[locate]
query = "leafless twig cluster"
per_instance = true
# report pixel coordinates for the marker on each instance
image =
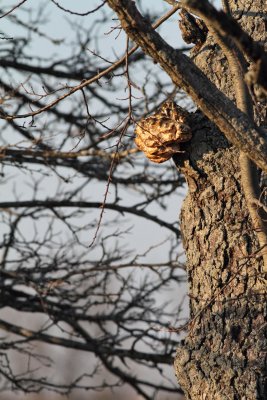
(72, 177)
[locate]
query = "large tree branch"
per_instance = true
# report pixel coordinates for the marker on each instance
(226, 25)
(106, 353)
(50, 204)
(236, 126)
(88, 346)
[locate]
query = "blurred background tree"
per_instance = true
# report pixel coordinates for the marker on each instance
(90, 255)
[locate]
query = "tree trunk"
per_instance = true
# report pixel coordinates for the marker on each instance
(224, 355)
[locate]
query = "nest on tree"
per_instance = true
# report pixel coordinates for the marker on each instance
(159, 135)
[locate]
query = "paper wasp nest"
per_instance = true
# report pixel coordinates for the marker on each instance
(159, 135)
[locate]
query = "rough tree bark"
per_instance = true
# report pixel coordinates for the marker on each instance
(224, 355)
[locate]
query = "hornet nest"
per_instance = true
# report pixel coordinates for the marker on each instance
(159, 135)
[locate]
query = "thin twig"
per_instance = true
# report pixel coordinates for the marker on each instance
(89, 81)
(13, 8)
(77, 13)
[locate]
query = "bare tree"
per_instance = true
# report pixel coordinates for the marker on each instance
(223, 218)
(81, 134)
(74, 184)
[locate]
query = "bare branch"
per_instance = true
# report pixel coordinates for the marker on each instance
(236, 126)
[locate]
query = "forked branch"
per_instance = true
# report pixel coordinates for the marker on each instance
(237, 126)
(248, 170)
